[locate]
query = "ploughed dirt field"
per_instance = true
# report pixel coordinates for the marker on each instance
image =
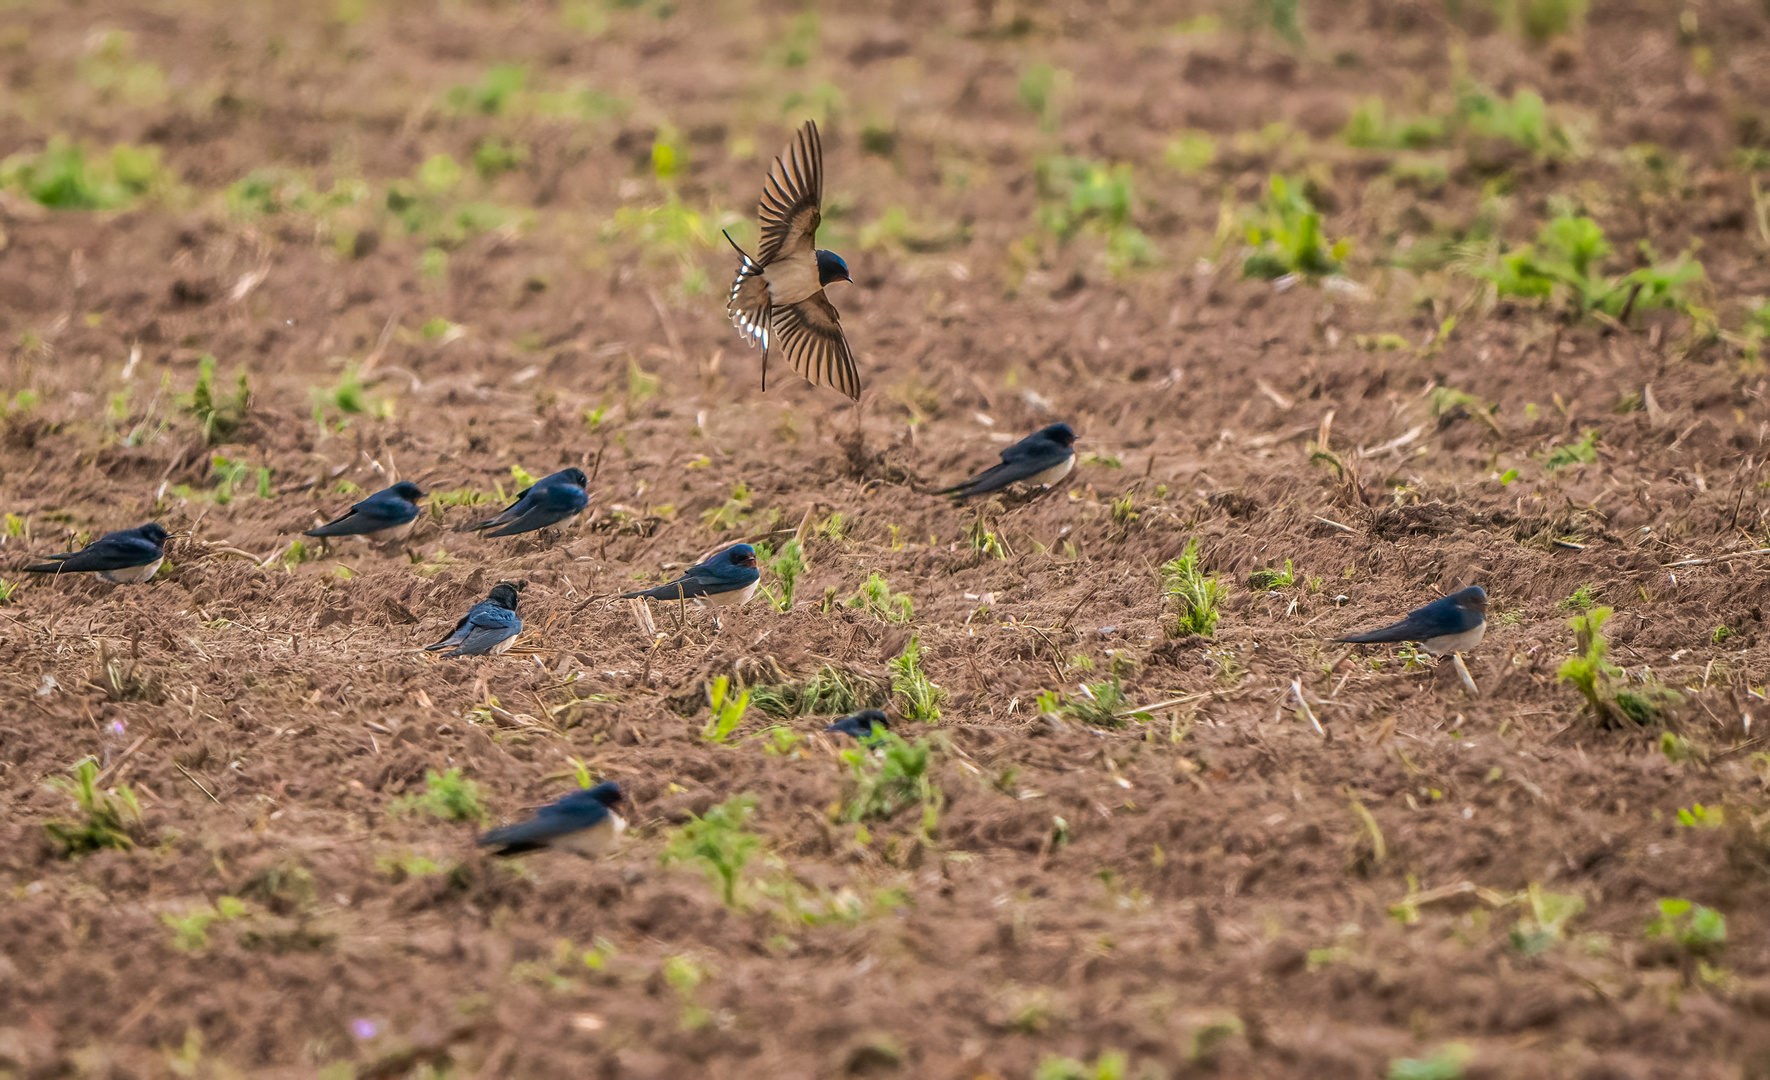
(1372, 300)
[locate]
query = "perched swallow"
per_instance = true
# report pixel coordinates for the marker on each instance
(1040, 459)
(583, 822)
(383, 517)
(489, 626)
(127, 557)
(865, 725)
(552, 500)
(778, 298)
(1453, 624)
(728, 579)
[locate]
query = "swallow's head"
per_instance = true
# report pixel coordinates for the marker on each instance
(576, 476)
(153, 533)
(608, 793)
(1473, 598)
(740, 555)
(407, 490)
(830, 267)
(504, 593)
(1061, 434)
(871, 719)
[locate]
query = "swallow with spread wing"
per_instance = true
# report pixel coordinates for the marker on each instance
(126, 557)
(1040, 460)
(778, 299)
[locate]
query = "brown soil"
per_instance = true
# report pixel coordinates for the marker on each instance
(1214, 900)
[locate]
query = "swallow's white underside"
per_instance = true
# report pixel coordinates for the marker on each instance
(1450, 643)
(503, 647)
(599, 839)
(391, 534)
(133, 575)
(731, 598)
(1054, 473)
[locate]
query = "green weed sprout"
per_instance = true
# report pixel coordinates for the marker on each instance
(1584, 598)
(1286, 236)
(1565, 262)
(1198, 595)
(7, 588)
(109, 820)
(1447, 1064)
(784, 567)
(1582, 451)
(891, 776)
(1267, 579)
(726, 712)
(919, 699)
(685, 976)
(190, 931)
(1110, 1065)
(62, 178)
(1699, 931)
(1594, 677)
(830, 691)
(876, 598)
(719, 842)
(1547, 923)
(731, 513)
(1370, 128)
(220, 417)
(1101, 704)
(228, 475)
(446, 795)
(984, 541)
(1077, 194)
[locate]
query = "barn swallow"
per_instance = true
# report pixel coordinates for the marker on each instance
(583, 822)
(489, 626)
(384, 517)
(1040, 459)
(778, 298)
(127, 557)
(728, 579)
(1453, 624)
(553, 499)
(865, 726)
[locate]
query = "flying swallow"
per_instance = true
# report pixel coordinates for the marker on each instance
(489, 626)
(1040, 459)
(728, 579)
(384, 517)
(583, 822)
(865, 725)
(127, 557)
(553, 499)
(1455, 623)
(778, 298)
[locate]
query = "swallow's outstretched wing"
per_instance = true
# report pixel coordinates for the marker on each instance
(792, 198)
(810, 334)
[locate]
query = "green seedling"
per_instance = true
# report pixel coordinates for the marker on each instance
(830, 691)
(109, 819)
(1101, 704)
(1197, 595)
(1721, 634)
(731, 513)
(833, 528)
(1547, 923)
(1564, 266)
(685, 976)
(670, 233)
(891, 776)
(984, 541)
(496, 94)
(1191, 152)
(784, 568)
(190, 931)
(876, 598)
(1699, 816)
(726, 711)
(220, 417)
(1286, 236)
(1699, 931)
(1584, 598)
(781, 741)
(63, 178)
(1044, 90)
(918, 698)
(447, 795)
(1267, 579)
(719, 842)
(7, 588)
(1596, 679)
(1110, 1065)
(1370, 128)
(228, 475)
(1078, 195)
(1583, 451)
(1447, 1064)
